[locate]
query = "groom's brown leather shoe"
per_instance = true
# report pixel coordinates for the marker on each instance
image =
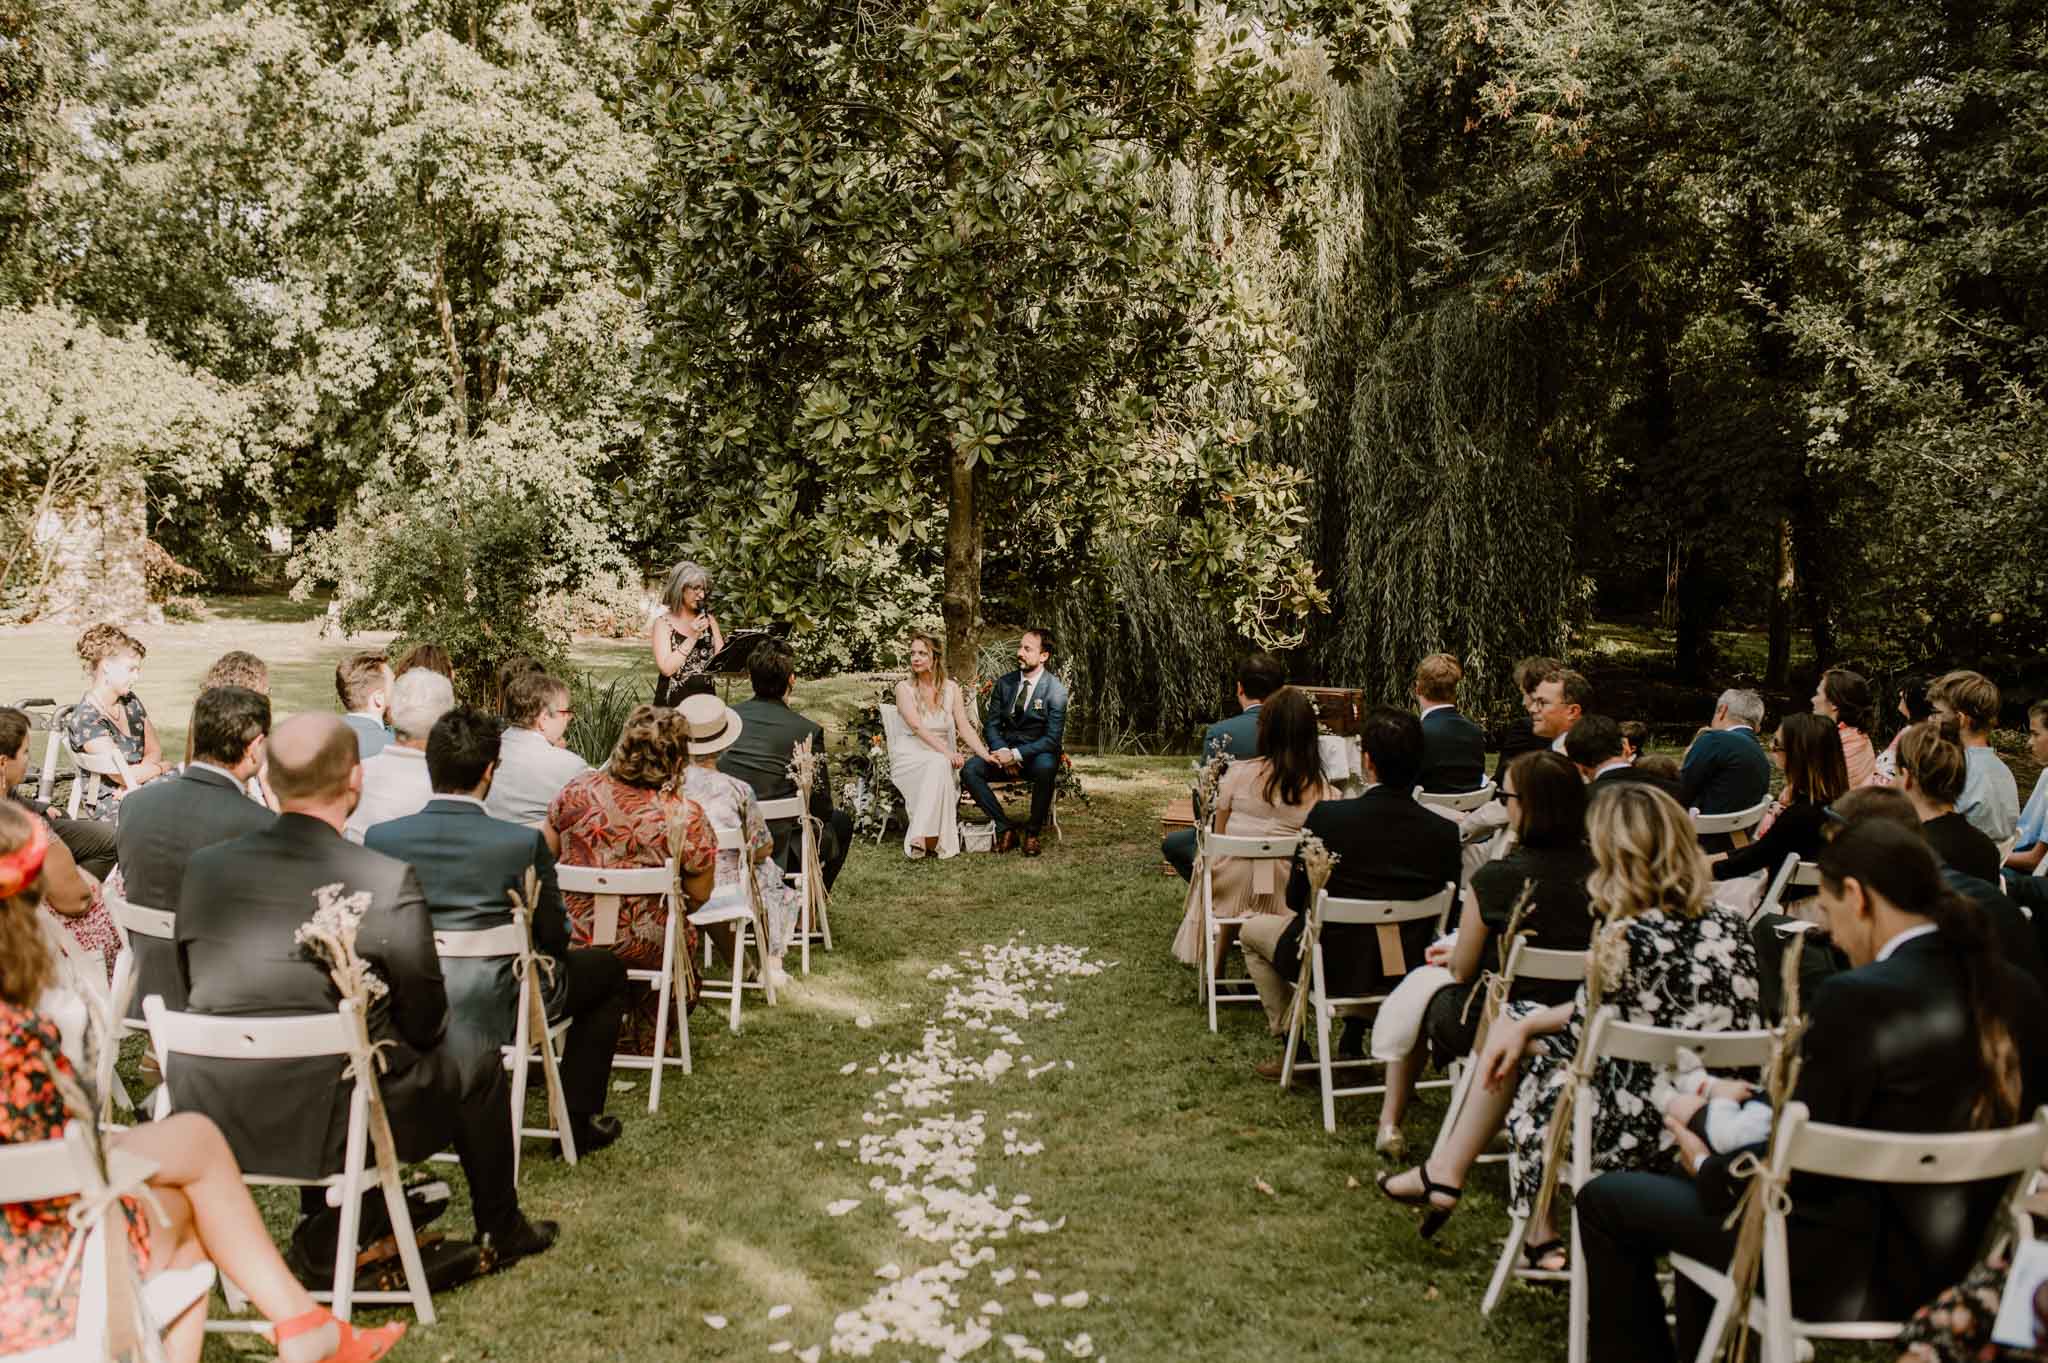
(1006, 840)
(1031, 848)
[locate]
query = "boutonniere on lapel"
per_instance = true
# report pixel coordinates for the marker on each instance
(1038, 703)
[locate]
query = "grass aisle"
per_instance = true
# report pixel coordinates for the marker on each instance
(1152, 1145)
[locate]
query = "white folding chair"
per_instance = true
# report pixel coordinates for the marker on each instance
(339, 1034)
(1524, 963)
(39, 1171)
(1802, 874)
(1805, 1146)
(1615, 1040)
(1736, 825)
(895, 733)
(1376, 913)
(1460, 801)
(130, 920)
(740, 906)
(93, 770)
(530, 1029)
(53, 748)
(1208, 846)
(613, 884)
(798, 880)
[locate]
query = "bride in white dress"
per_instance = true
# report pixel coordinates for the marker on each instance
(926, 764)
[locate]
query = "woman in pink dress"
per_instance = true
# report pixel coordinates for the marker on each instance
(1844, 697)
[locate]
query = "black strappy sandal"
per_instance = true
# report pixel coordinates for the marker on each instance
(1534, 1255)
(1434, 1220)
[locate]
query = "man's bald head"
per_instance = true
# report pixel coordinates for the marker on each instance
(311, 756)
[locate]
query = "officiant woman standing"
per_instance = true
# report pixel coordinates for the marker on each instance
(685, 637)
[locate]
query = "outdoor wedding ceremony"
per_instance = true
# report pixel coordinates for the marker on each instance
(1302, 679)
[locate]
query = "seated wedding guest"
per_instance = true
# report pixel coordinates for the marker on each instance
(762, 754)
(1258, 676)
(533, 764)
(364, 681)
(163, 824)
(1956, 1327)
(1387, 847)
(1912, 707)
(1932, 771)
(109, 720)
(924, 766)
(1844, 697)
(628, 813)
(88, 843)
(468, 863)
(1027, 718)
(1685, 963)
(241, 905)
(728, 802)
(518, 665)
(1453, 747)
(206, 1212)
(2030, 845)
(1991, 797)
(685, 637)
(1635, 739)
(1727, 770)
(1556, 701)
(238, 667)
(1929, 1032)
(1658, 764)
(432, 657)
(1551, 861)
(1594, 745)
(1520, 736)
(1266, 796)
(395, 781)
(70, 896)
(1810, 747)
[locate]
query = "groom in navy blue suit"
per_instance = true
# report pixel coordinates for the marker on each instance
(1027, 717)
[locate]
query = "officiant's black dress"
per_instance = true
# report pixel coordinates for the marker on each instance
(691, 679)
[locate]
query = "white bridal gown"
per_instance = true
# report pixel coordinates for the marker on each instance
(928, 781)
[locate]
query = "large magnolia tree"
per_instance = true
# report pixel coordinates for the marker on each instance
(914, 280)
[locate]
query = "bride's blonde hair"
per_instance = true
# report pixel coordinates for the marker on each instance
(938, 651)
(1646, 855)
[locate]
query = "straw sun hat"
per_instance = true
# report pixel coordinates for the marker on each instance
(713, 725)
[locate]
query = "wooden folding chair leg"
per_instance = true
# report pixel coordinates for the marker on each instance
(408, 1246)
(680, 997)
(558, 1101)
(739, 970)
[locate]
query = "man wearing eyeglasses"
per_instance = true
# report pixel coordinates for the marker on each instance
(533, 763)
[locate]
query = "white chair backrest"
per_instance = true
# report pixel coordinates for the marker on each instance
(507, 939)
(621, 880)
(730, 839)
(789, 807)
(249, 1038)
(1806, 873)
(894, 730)
(1251, 849)
(1459, 801)
(1613, 1039)
(100, 763)
(1740, 821)
(36, 1171)
(131, 917)
(1382, 911)
(1908, 1157)
(1545, 963)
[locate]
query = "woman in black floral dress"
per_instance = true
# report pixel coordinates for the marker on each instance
(1669, 957)
(110, 721)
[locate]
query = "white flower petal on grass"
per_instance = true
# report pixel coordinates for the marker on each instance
(1080, 1346)
(842, 1206)
(889, 1271)
(715, 1322)
(809, 1355)
(778, 1312)
(991, 1308)
(849, 1067)
(1074, 1300)
(1042, 1299)
(1002, 1277)
(780, 1346)
(863, 1021)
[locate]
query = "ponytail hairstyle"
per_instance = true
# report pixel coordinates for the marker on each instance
(1930, 753)
(1849, 693)
(1814, 765)
(1896, 864)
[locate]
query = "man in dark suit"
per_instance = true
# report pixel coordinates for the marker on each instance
(1594, 746)
(760, 756)
(1258, 676)
(1726, 769)
(468, 863)
(1387, 847)
(1520, 735)
(1892, 1045)
(242, 903)
(165, 822)
(1027, 718)
(1453, 747)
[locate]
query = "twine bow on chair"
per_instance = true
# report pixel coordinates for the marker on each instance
(1609, 940)
(803, 770)
(1492, 993)
(1767, 1192)
(1317, 861)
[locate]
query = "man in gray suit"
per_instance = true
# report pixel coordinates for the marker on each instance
(468, 863)
(1258, 677)
(165, 822)
(760, 757)
(243, 902)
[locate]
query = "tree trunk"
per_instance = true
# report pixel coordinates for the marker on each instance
(1784, 587)
(963, 567)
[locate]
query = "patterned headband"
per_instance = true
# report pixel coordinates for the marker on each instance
(19, 868)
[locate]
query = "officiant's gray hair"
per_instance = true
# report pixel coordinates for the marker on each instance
(681, 578)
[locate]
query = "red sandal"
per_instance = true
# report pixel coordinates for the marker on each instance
(355, 1346)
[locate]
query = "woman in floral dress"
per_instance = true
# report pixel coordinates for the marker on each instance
(729, 802)
(1668, 957)
(630, 814)
(109, 720)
